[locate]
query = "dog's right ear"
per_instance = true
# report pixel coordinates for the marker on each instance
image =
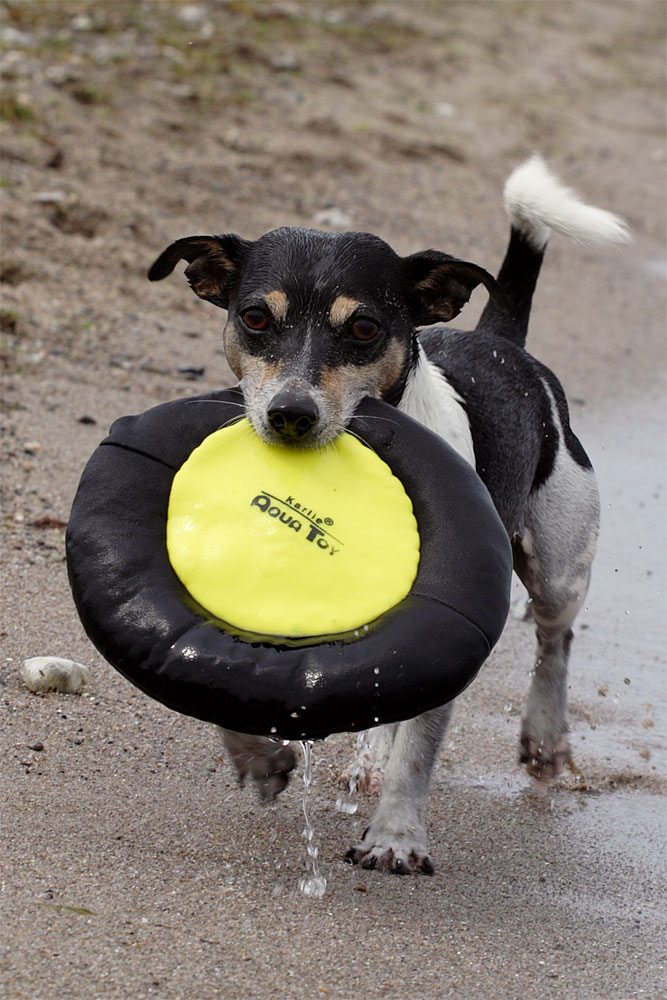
(213, 264)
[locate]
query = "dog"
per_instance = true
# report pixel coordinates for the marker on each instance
(317, 321)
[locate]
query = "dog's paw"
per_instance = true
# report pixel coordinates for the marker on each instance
(271, 772)
(366, 772)
(398, 852)
(543, 755)
(267, 761)
(367, 780)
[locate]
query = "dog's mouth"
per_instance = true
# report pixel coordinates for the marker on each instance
(297, 434)
(296, 418)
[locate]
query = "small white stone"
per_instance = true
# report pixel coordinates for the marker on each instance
(334, 217)
(82, 22)
(48, 197)
(192, 15)
(13, 36)
(53, 673)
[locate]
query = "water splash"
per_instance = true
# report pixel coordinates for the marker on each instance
(313, 885)
(346, 801)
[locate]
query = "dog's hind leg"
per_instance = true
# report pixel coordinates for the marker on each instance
(552, 555)
(396, 839)
(267, 761)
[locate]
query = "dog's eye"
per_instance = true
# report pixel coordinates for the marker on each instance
(364, 328)
(255, 319)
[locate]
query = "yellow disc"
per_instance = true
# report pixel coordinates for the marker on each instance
(291, 543)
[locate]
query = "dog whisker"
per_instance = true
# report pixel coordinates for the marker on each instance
(218, 402)
(359, 438)
(375, 416)
(230, 422)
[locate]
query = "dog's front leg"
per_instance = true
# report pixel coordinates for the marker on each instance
(396, 839)
(267, 761)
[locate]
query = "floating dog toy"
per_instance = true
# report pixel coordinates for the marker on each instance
(292, 592)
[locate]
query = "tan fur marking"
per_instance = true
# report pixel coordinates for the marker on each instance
(242, 363)
(218, 256)
(206, 287)
(278, 304)
(232, 349)
(427, 283)
(206, 272)
(342, 308)
(440, 307)
(259, 371)
(374, 379)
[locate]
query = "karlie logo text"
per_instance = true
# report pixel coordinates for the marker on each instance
(299, 518)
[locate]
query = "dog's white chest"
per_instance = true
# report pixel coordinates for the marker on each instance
(430, 399)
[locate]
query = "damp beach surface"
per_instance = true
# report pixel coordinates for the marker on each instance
(132, 866)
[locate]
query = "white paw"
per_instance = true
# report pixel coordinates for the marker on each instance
(401, 851)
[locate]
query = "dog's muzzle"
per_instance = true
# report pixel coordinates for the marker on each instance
(292, 414)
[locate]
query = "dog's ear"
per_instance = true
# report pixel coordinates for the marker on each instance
(213, 264)
(439, 285)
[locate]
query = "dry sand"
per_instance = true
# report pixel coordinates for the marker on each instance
(132, 867)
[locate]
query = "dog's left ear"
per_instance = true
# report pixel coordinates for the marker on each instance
(439, 285)
(213, 263)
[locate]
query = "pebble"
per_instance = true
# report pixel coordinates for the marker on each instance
(334, 217)
(192, 371)
(286, 62)
(192, 15)
(184, 91)
(48, 197)
(82, 22)
(13, 36)
(53, 673)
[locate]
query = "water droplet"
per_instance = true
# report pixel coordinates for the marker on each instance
(313, 885)
(345, 805)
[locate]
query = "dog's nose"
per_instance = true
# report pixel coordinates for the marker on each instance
(292, 414)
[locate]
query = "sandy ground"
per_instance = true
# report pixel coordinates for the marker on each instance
(132, 867)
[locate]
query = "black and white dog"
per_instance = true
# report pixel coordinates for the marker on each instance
(315, 322)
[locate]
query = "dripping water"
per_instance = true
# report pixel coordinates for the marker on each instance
(346, 802)
(314, 884)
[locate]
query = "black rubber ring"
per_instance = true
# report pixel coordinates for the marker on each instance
(416, 656)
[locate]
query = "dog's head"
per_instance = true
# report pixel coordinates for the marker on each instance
(316, 321)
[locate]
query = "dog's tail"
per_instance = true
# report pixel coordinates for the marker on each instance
(537, 203)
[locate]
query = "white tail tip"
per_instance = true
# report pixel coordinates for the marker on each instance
(537, 203)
